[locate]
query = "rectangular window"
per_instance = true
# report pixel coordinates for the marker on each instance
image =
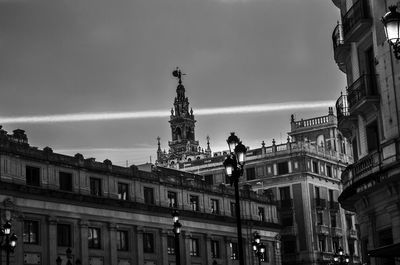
(283, 168)
(250, 173)
(209, 179)
(335, 244)
(194, 202)
(94, 238)
(215, 206)
(328, 171)
(333, 220)
(349, 221)
(122, 240)
(350, 243)
(321, 243)
(261, 213)
(32, 176)
(215, 249)
(315, 167)
(194, 247)
(65, 181)
(123, 191)
(234, 250)
(148, 195)
(64, 235)
(331, 199)
(372, 136)
(171, 245)
(320, 218)
(285, 193)
(172, 198)
(233, 209)
(31, 232)
(148, 243)
(317, 193)
(95, 187)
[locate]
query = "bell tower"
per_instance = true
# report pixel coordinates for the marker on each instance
(182, 123)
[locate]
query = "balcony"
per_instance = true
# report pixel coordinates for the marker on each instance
(357, 21)
(352, 233)
(333, 206)
(320, 203)
(340, 49)
(362, 95)
(285, 204)
(322, 230)
(345, 120)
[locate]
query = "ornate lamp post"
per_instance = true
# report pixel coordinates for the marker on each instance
(177, 231)
(391, 22)
(340, 258)
(258, 247)
(9, 241)
(234, 163)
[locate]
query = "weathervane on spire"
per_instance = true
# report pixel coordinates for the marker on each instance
(178, 74)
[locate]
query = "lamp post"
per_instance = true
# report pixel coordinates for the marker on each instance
(391, 22)
(340, 258)
(234, 163)
(177, 231)
(258, 247)
(9, 241)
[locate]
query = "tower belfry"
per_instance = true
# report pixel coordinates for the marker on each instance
(182, 123)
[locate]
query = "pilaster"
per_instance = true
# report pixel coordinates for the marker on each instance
(140, 256)
(83, 226)
(112, 230)
(163, 247)
(52, 238)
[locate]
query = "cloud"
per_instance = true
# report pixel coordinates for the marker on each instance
(77, 117)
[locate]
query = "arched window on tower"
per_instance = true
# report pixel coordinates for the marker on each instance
(178, 134)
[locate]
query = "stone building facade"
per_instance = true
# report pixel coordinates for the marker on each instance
(111, 215)
(369, 116)
(303, 176)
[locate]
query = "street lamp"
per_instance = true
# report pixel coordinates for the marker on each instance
(177, 231)
(391, 22)
(258, 247)
(234, 163)
(340, 258)
(9, 241)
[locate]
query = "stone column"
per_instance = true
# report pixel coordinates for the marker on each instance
(83, 226)
(112, 230)
(140, 256)
(164, 246)
(52, 239)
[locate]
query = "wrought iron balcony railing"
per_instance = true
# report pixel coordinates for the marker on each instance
(361, 89)
(358, 12)
(342, 107)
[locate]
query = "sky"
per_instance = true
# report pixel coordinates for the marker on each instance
(102, 57)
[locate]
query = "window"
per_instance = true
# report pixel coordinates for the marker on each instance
(65, 181)
(233, 209)
(333, 220)
(317, 193)
(331, 196)
(315, 167)
(328, 171)
(148, 243)
(261, 213)
(283, 168)
(285, 193)
(350, 243)
(349, 221)
(123, 191)
(31, 232)
(209, 179)
(32, 176)
(194, 202)
(372, 136)
(172, 198)
(250, 173)
(122, 240)
(64, 235)
(320, 218)
(215, 249)
(95, 187)
(171, 245)
(234, 250)
(94, 238)
(335, 244)
(215, 206)
(148, 195)
(321, 243)
(289, 245)
(265, 256)
(194, 247)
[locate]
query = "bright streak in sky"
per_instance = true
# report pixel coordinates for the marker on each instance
(161, 113)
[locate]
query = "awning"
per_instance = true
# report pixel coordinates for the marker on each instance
(388, 251)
